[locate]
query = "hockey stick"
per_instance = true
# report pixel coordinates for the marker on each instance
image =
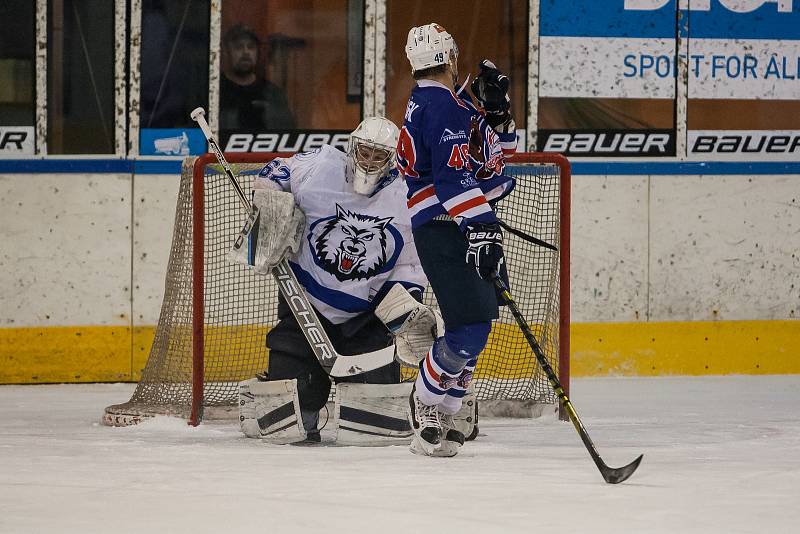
(526, 237)
(612, 475)
(334, 363)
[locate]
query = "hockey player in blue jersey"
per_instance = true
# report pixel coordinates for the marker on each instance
(452, 157)
(359, 267)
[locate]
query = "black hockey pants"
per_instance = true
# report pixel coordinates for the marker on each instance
(464, 297)
(291, 356)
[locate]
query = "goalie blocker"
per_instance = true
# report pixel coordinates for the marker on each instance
(364, 414)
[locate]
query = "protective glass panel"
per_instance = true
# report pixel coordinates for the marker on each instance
(80, 88)
(289, 67)
(174, 62)
(494, 30)
(17, 66)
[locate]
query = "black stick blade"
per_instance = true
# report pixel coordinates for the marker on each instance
(616, 475)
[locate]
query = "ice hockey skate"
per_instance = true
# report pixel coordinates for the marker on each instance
(426, 425)
(452, 439)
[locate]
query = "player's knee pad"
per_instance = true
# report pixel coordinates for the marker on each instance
(372, 414)
(271, 411)
(460, 345)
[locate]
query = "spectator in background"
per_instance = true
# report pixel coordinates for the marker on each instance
(247, 100)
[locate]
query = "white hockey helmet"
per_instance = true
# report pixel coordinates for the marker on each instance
(371, 154)
(430, 46)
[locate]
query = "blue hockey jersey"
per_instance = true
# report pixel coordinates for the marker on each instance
(451, 158)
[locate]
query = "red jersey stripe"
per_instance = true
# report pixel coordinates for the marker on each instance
(464, 206)
(420, 195)
(433, 374)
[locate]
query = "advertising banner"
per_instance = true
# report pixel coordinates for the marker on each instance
(171, 142)
(606, 50)
(296, 140)
(282, 141)
(17, 141)
(745, 145)
(609, 143)
(610, 66)
(744, 91)
(607, 79)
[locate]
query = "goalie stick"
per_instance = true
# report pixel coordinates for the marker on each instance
(332, 362)
(612, 475)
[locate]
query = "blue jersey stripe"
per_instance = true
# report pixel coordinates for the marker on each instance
(331, 297)
(429, 386)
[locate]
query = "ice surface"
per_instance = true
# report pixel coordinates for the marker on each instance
(721, 454)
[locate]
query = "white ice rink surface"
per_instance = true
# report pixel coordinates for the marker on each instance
(721, 454)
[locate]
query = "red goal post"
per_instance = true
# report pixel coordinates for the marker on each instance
(215, 314)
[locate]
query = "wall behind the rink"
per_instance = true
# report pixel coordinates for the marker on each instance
(685, 274)
(82, 265)
(671, 273)
(65, 276)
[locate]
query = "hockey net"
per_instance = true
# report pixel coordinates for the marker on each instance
(215, 314)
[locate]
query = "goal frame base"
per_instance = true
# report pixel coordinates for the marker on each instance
(130, 413)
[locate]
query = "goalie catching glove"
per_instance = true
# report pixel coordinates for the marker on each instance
(490, 87)
(271, 233)
(415, 326)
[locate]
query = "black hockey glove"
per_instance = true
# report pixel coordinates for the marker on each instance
(490, 87)
(484, 248)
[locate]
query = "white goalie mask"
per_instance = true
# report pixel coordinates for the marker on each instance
(370, 154)
(430, 46)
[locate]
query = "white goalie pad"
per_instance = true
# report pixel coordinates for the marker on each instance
(372, 414)
(466, 419)
(271, 233)
(271, 411)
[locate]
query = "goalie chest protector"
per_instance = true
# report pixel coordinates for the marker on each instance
(352, 244)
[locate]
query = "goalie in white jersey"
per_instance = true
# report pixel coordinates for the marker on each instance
(358, 265)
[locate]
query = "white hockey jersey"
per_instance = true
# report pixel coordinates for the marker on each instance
(355, 247)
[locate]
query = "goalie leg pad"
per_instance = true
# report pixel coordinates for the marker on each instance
(271, 411)
(372, 414)
(466, 418)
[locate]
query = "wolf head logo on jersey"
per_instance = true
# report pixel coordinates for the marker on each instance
(352, 246)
